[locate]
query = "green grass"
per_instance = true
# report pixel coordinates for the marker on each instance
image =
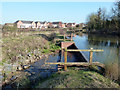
(53, 48)
(1, 63)
(46, 51)
(77, 79)
(13, 47)
(26, 46)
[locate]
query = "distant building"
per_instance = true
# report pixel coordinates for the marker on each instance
(71, 25)
(25, 24)
(43, 25)
(38, 25)
(33, 25)
(82, 25)
(57, 24)
(63, 25)
(50, 25)
(74, 25)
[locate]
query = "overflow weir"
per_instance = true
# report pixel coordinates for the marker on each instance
(81, 60)
(79, 57)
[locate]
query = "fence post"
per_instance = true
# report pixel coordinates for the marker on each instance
(91, 56)
(65, 59)
(71, 36)
(64, 37)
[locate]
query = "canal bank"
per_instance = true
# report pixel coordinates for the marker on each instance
(36, 70)
(19, 52)
(39, 71)
(78, 79)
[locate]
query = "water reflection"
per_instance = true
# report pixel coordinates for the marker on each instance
(109, 44)
(103, 41)
(111, 54)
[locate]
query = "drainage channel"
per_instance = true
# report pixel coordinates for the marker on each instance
(41, 70)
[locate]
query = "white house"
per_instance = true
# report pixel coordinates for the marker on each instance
(25, 24)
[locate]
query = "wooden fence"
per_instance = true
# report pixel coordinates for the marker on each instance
(65, 63)
(64, 39)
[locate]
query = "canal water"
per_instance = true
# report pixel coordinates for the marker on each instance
(109, 44)
(39, 70)
(110, 56)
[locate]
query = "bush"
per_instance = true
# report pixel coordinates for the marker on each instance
(9, 28)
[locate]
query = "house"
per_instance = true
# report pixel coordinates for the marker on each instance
(63, 25)
(38, 24)
(57, 24)
(74, 25)
(25, 24)
(50, 25)
(43, 25)
(71, 25)
(33, 25)
(82, 25)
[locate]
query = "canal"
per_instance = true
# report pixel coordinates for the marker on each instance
(39, 70)
(109, 57)
(110, 45)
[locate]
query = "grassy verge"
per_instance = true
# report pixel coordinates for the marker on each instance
(77, 79)
(25, 48)
(15, 48)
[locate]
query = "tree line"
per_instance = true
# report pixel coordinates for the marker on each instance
(103, 23)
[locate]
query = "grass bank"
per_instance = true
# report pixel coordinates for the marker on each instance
(77, 79)
(24, 48)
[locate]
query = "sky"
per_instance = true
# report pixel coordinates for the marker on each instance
(50, 11)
